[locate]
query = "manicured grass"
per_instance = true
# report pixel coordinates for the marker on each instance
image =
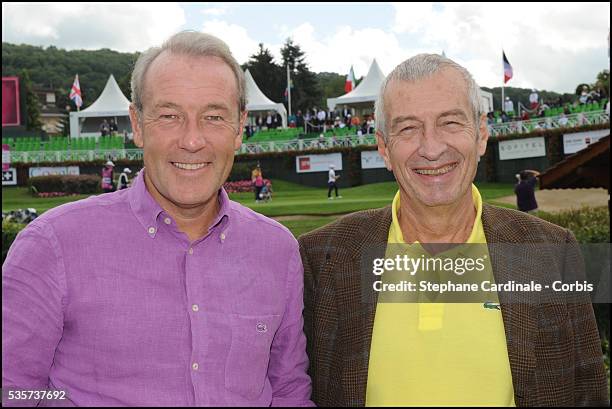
(288, 199)
(20, 198)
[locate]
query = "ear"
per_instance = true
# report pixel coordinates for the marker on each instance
(136, 128)
(484, 135)
(382, 150)
(239, 131)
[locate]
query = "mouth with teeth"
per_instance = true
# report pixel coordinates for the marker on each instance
(436, 171)
(190, 166)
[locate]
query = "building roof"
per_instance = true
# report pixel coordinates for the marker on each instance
(366, 91)
(257, 101)
(111, 102)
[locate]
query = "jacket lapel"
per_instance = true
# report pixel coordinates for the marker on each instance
(356, 302)
(519, 321)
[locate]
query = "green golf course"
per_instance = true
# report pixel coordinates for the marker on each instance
(299, 208)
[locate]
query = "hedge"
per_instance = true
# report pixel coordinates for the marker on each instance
(81, 184)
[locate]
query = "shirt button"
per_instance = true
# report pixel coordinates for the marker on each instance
(195, 366)
(167, 220)
(222, 236)
(151, 230)
(195, 308)
(190, 250)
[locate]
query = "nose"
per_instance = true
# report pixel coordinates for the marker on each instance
(431, 146)
(192, 138)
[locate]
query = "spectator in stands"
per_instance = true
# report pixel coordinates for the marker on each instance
(277, 121)
(509, 106)
(269, 120)
(525, 191)
(346, 113)
(563, 121)
(505, 117)
(124, 180)
(113, 127)
(533, 99)
(308, 119)
(259, 122)
(371, 125)
(584, 95)
(321, 120)
(104, 128)
(299, 120)
(356, 121)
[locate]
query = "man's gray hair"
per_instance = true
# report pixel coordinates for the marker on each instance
(190, 43)
(421, 66)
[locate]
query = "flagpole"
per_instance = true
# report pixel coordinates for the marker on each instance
(78, 106)
(288, 89)
(503, 101)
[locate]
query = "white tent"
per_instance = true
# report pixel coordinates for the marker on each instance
(257, 101)
(110, 104)
(365, 92)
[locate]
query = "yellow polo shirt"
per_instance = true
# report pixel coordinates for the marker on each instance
(437, 354)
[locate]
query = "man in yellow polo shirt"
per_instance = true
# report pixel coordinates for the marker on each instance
(366, 349)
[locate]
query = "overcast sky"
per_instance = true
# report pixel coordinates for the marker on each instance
(552, 46)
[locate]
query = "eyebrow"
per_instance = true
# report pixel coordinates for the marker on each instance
(208, 107)
(166, 105)
(454, 112)
(403, 118)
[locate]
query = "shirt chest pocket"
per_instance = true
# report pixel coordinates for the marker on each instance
(247, 362)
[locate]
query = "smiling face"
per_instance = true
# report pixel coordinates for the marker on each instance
(432, 143)
(189, 128)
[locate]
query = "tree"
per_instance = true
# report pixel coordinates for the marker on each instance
(603, 82)
(581, 87)
(267, 74)
(33, 122)
(331, 84)
(305, 93)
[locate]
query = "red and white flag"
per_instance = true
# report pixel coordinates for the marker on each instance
(349, 85)
(75, 92)
(507, 68)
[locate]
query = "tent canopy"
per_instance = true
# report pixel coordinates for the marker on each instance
(366, 91)
(111, 103)
(257, 101)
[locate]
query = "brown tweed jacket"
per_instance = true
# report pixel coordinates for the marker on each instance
(554, 349)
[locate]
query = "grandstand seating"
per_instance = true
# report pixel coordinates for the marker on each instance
(61, 143)
(275, 135)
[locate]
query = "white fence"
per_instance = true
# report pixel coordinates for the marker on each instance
(520, 127)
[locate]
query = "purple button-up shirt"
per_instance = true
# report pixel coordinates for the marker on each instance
(107, 300)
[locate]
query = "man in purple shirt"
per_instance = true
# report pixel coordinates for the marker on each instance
(190, 312)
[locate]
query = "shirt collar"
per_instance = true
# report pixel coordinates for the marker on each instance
(147, 210)
(477, 229)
